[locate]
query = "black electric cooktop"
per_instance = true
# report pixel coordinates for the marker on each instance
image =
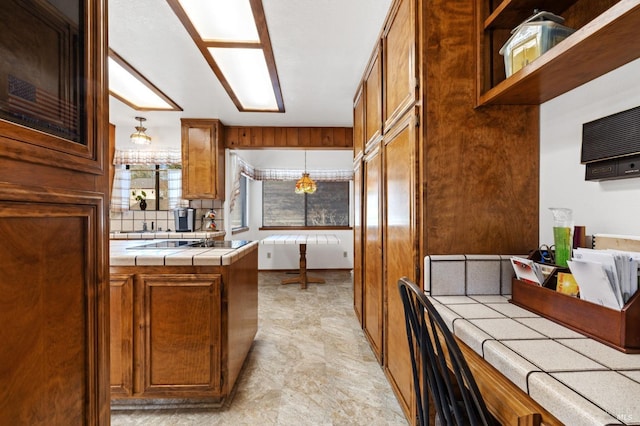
(233, 244)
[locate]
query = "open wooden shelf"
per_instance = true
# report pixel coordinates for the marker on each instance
(604, 44)
(510, 11)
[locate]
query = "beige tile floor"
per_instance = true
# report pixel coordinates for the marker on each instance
(310, 364)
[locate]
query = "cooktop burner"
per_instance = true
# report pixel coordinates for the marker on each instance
(234, 244)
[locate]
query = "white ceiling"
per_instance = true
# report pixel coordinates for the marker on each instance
(320, 46)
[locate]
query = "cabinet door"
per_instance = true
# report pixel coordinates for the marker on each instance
(373, 99)
(358, 124)
(54, 331)
(178, 336)
(357, 240)
(372, 277)
(400, 250)
(202, 159)
(400, 88)
(121, 336)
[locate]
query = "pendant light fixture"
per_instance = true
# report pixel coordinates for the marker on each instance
(140, 137)
(305, 184)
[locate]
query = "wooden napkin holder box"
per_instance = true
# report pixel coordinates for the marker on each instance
(618, 329)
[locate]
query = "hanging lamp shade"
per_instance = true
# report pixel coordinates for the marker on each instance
(305, 184)
(140, 137)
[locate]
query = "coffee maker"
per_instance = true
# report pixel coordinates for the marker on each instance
(185, 218)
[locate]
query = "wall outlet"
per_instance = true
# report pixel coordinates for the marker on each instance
(268, 255)
(345, 254)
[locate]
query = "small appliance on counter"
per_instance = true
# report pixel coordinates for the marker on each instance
(185, 218)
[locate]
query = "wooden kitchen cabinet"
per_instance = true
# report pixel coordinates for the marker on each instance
(400, 248)
(121, 334)
(440, 176)
(372, 83)
(202, 159)
(358, 284)
(178, 335)
(54, 173)
(358, 123)
(372, 292)
(400, 71)
(606, 39)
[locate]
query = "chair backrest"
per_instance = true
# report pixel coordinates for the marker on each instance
(438, 365)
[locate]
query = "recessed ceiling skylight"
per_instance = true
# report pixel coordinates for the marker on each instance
(132, 88)
(232, 36)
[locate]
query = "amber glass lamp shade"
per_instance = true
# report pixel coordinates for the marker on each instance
(305, 185)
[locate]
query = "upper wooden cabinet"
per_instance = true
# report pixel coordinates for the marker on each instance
(358, 123)
(373, 98)
(202, 159)
(606, 38)
(400, 71)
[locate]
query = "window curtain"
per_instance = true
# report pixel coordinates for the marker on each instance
(234, 173)
(239, 166)
(121, 189)
(174, 187)
(133, 157)
(317, 175)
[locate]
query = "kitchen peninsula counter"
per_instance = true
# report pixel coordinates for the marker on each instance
(183, 320)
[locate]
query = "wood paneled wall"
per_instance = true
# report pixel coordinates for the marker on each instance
(288, 137)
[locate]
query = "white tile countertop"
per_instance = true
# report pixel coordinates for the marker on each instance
(127, 253)
(577, 379)
(153, 235)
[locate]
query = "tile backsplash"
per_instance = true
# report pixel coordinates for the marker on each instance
(471, 274)
(163, 220)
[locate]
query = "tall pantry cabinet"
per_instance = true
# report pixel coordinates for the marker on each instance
(446, 176)
(54, 172)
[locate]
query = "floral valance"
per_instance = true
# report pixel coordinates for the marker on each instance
(133, 157)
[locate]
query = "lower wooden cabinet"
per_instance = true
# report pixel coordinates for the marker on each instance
(121, 334)
(178, 336)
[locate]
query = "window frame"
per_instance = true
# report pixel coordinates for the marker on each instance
(243, 200)
(306, 227)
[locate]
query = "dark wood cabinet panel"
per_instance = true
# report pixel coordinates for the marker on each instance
(358, 123)
(202, 159)
(372, 256)
(121, 334)
(50, 310)
(54, 286)
(400, 71)
(180, 330)
(373, 98)
(358, 284)
(400, 249)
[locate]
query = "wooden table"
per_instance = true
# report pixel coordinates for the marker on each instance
(302, 240)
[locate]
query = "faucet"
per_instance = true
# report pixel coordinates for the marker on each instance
(144, 226)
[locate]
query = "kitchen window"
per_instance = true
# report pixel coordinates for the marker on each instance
(152, 183)
(152, 176)
(239, 216)
(328, 207)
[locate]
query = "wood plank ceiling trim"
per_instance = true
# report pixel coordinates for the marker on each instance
(288, 137)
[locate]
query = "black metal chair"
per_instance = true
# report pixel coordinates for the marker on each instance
(438, 365)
